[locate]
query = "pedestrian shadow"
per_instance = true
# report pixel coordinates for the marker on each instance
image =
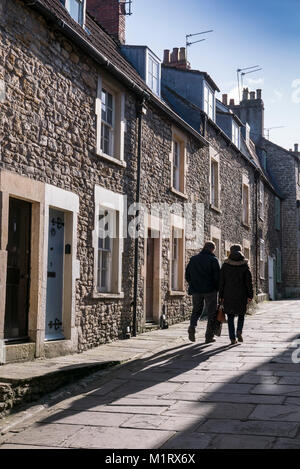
(227, 407)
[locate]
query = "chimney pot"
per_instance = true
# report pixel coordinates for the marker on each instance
(245, 94)
(225, 99)
(182, 53)
(258, 94)
(231, 103)
(296, 147)
(175, 55)
(167, 56)
(252, 94)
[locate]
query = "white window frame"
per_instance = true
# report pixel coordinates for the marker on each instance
(216, 237)
(67, 5)
(176, 164)
(114, 204)
(177, 255)
(214, 179)
(245, 204)
(107, 250)
(235, 134)
(178, 173)
(208, 101)
(108, 125)
(118, 119)
(262, 258)
(261, 200)
(154, 60)
(247, 247)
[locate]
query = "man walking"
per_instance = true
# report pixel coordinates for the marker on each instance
(203, 276)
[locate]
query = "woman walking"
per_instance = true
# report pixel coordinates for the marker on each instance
(236, 291)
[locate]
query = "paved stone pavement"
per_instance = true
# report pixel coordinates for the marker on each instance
(183, 395)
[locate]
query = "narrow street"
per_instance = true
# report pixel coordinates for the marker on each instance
(189, 396)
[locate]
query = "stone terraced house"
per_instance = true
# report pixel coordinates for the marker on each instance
(97, 135)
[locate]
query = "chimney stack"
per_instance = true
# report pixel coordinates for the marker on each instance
(258, 94)
(177, 58)
(252, 94)
(296, 148)
(225, 99)
(111, 15)
(231, 103)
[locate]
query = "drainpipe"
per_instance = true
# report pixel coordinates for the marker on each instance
(256, 178)
(140, 111)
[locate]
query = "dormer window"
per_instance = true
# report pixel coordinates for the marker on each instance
(76, 8)
(153, 74)
(236, 134)
(209, 101)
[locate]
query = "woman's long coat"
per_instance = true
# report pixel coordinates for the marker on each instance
(235, 284)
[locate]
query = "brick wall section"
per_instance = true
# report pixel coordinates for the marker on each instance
(109, 13)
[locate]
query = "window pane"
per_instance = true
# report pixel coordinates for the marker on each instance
(75, 10)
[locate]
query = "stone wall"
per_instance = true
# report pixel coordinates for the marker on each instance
(282, 165)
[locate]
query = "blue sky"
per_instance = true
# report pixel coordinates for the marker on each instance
(265, 33)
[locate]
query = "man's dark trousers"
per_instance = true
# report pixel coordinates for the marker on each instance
(210, 300)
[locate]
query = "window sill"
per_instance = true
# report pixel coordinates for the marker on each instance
(178, 193)
(216, 209)
(111, 159)
(108, 296)
(177, 293)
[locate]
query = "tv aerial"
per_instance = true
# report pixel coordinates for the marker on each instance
(241, 72)
(268, 130)
(188, 43)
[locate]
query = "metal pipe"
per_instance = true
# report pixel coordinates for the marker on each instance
(256, 178)
(137, 199)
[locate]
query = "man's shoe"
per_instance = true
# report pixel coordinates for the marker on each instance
(191, 332)
(234, 342)
(240, 337)
(210, 341)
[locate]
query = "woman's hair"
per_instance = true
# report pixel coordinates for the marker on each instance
(236, 248)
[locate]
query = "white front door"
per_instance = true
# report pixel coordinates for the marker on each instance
(271, 279)
(55, 275)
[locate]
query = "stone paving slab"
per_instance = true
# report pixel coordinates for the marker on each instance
(189, 441)
(250, 428)
(242, 442)
(219, 397)
(206, 410)
(117, 438)
(284, 413)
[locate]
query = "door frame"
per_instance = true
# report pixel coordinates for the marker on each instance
(67, 202)
(20, 187)
(155, 225)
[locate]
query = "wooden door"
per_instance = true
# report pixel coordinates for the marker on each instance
(18, 270)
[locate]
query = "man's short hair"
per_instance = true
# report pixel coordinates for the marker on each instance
(209, 246)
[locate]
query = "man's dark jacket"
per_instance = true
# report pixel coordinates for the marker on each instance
(203, 273)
